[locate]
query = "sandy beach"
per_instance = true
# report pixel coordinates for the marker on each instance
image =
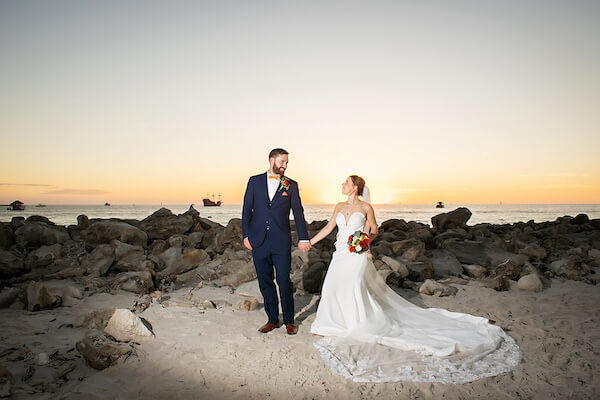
(218, 353)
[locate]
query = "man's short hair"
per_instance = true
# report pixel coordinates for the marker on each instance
(277, 152)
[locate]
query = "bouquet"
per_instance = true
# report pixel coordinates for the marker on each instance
(358, 242)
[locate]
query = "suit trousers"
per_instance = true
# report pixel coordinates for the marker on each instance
(270, 264)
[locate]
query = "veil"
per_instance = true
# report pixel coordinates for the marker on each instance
(366, 196)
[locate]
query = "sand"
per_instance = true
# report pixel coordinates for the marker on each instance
(218, 353)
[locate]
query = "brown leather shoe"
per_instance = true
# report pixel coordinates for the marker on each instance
(268, 327)
(291, 329)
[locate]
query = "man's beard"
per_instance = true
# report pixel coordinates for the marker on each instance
(279, 170)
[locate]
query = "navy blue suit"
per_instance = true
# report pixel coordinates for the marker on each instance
(266, 224)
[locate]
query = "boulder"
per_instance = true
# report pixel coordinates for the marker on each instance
(99, 260)
(594, 254)
(97, 319)
(51, 294)
(193, 240)
(6, 236)
(230, 237)
(237, 272)
(100, 232)
(249, 289)
(580, 219)
(158, 246)
(498, 283)
(312, 277)
(125, 326)
(140, 282)
(99, 352)
(5, 382)
(390, 277)
(163, 224)
(531, 283)
(433, 288)
(476, 252)
(571, 267)
(409, 249)
(202, 273)
(248, 304)
(35, 234)
(419, 270)
(176, 240)
(43, 256)
(474, 271)
(396, 266)
(177, 262)
(129, 257)
(10, 265)
(444, 263)
(454, 219)
(8, 296)
(534, 251)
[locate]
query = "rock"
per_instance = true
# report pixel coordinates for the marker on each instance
(193, 240)
(42, 359)
(457, 233)
(534, 251)
(312, 277)
(394, 224)
(230, 237)
(98, 262)
(43, 256)
(39, 218)
(158, 246)
(580, 219)
(83, 221)
(571, 267)
(476, 252)
(390, 277)
(8, 296)
(125, 326)
(419, 270)
(433, 288)
(444, 263)
(498, 283)
(100, 232)
(396, 266)
(129, 257)
(36, 234)
(408, 249)
(474, 271)
(99, 352)
(6, 236)
(202, 273)
(163, 224)
(594, 254)
(177, 262)
(135, 281)
(248, 304)
(97, 319)
(249, 289)
(454, 219)
(531, 283)
(176, 240)
(10, 265)
(51, 294)
(5, 382)
(238, 272)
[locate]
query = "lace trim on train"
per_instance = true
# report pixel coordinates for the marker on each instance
(363, 362)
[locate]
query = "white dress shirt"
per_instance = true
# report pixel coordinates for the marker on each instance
(272, 185)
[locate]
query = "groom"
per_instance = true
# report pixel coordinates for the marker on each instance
(266, 231)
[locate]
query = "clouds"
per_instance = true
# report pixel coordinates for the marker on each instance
(27, 184)
(77, 192)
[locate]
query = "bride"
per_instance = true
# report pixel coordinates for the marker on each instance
(370, 333)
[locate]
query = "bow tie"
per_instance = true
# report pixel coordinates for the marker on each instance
(274, 177)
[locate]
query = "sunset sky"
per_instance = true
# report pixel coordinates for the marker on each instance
(162, 102)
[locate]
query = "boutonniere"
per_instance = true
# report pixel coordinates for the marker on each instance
(284, 183)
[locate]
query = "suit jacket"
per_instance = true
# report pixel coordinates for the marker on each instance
(259, 213)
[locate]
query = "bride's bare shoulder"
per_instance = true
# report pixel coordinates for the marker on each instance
(366, 206)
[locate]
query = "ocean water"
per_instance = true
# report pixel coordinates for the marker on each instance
(492, 213)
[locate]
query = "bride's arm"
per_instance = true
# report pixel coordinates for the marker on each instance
(327, 229)
(371, 225)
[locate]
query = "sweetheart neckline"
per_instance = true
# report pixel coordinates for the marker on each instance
(355, 212)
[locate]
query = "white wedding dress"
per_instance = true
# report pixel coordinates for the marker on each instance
(372, 334)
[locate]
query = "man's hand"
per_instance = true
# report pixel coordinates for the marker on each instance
(304, 246)
(247, 243)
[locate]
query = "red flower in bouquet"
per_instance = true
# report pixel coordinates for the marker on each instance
(285, 183)
(358, 242)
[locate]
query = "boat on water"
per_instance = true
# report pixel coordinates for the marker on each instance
(211, 203)
(16, 206)
(440, 204)
(40, 205)
(107, 204)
